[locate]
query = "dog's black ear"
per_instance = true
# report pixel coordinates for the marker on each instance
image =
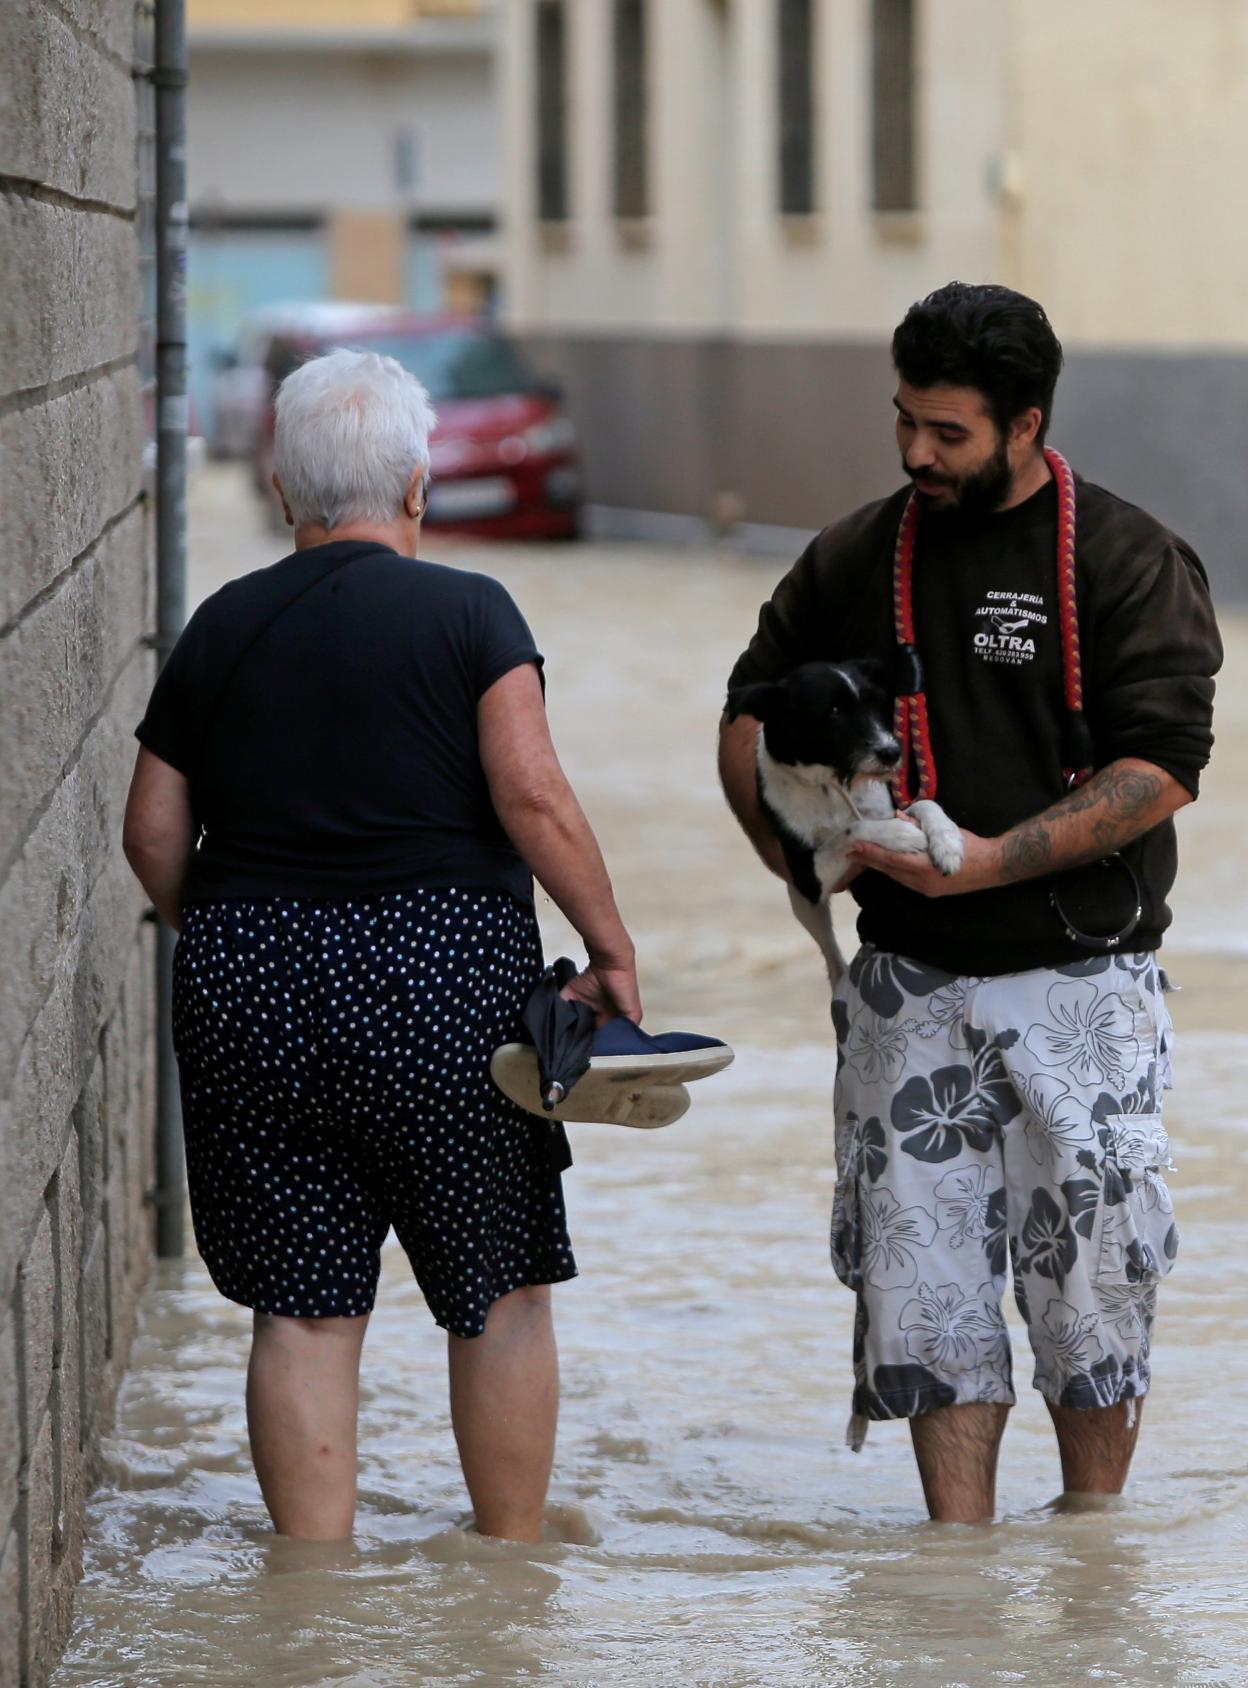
(758, 700)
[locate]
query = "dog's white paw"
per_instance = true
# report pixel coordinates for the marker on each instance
(945, 843)
(892, 834)
(947, 851)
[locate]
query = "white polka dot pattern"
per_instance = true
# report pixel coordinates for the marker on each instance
(334, 1065)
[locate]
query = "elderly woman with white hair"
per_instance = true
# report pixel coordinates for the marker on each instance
(344, 786)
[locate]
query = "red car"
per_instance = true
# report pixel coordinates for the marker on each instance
(504, 452)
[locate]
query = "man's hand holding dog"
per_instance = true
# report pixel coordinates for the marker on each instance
(980, 867)
(1119, 803)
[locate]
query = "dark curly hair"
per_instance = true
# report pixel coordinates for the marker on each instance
(986, 337)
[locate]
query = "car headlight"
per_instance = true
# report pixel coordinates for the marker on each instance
(556, 433)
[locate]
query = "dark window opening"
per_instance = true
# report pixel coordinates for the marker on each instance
(631, 197)
(552, 112)
(796, 107)
(893, 139)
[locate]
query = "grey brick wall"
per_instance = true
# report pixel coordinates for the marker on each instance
(76, 962)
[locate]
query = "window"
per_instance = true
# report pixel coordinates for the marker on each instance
(894, 184)
(795, 94)
(552, 112)
(631, 196)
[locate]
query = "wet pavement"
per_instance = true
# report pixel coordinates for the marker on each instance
(707, 1525)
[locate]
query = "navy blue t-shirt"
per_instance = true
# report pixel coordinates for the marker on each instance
(324, 712)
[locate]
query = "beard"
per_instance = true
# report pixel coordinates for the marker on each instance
(975, 494)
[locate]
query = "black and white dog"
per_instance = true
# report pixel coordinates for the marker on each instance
(825, 756)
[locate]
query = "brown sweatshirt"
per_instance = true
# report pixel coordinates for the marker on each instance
(987, 628)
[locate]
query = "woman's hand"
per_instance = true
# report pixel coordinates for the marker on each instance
(610, 989)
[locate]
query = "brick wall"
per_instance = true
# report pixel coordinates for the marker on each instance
(76, 1042)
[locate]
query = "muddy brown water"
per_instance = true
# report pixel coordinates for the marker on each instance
(707, 1525)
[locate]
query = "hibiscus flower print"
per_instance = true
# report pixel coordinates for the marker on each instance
(992, 1077)
(890, 1236)
(1104, 1386)
(1059, 1123)
(947, 1009)
(1141, 1100)
(938, 1114)
(870, 1150)
(964, 1204)
(876, 1050)
(1129, 1308)
(1090, 1034)
(1049, 1238)
(882, 979)
(1070, 1339)
(950, 1331)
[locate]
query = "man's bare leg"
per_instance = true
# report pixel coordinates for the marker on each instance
(504, 1403)
(303, 1391)
(1096, 1445)
(957, 1448)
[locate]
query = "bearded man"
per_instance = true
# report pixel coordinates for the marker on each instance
(1003, 1040)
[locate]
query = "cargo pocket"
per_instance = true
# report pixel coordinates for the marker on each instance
(1139, 1238)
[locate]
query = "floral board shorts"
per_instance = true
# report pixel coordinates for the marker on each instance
(1011, 1117)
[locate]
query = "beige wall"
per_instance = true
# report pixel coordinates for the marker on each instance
(1087, 153)
(846, 271)
(271, 132)
(715, 255)
(1132, 128)
(668, 270)
(76, 1103)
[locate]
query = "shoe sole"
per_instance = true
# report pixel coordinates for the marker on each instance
(615, 1091)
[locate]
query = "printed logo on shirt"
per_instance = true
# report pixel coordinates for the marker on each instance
(1007, 625)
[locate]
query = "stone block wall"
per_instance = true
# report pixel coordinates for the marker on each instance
(77, 1083)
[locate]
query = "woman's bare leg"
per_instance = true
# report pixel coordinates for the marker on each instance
(504, 1404)
(302, 1404)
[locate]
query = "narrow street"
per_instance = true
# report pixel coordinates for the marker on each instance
(702, 1490)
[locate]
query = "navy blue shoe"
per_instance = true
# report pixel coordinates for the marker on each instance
(633, 1078)
(620, 1038)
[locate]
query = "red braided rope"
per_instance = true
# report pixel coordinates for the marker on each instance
(910, 711)
(1073, 673)
(910, 720)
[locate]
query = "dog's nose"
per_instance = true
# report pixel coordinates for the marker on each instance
(888, 754)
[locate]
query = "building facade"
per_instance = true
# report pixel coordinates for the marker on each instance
(339, 149)
(76, 606)
(717, 210)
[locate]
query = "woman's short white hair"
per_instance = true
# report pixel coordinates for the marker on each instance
(351, 430)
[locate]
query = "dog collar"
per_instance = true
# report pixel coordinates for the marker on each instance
(910, 717)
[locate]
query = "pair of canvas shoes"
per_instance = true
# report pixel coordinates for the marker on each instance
(633, 1078)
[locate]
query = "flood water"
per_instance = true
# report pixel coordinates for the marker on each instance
(707, 1525)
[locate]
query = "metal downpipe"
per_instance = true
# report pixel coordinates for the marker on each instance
(172, 417)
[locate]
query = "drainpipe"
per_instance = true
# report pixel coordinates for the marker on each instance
(169, 77)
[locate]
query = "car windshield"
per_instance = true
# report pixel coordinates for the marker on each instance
(461, 363)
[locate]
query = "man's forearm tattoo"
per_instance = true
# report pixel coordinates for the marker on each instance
(1118, 802)
(1026, 852)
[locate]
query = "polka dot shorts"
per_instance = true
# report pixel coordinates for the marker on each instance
(335, 1082)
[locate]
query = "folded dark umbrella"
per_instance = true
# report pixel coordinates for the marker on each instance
(561, 1031)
